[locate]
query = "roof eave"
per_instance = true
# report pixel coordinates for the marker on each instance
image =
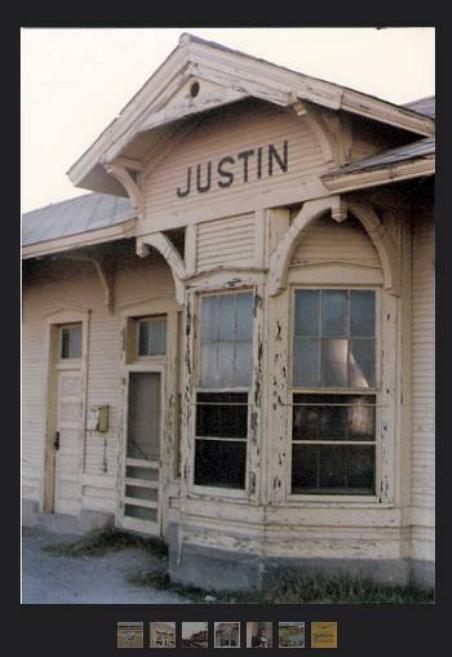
(245, 74)
(123, 230)
(381, 175)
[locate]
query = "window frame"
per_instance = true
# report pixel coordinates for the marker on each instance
(68, 360)
(292, 390)
(136, 337)
(220, 491)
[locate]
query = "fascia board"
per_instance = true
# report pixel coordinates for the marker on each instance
(379, 176)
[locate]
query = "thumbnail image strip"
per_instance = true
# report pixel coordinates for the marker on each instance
(259, 634)
(291, 634)
(129, 634)
(162, 634)
(194, 635)
(227, 634)
(324, 634)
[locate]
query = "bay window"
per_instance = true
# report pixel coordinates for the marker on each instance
(335, 395)
(225, 353)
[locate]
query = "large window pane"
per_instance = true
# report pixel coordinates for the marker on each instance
(152, 337)
(329, 470)
(209, 326)
(334, 417)
(227, 317)
(306, 362)
(226, 361)
(334, 363)
(334, 313)
(362, 363)
(244, 325)
(243, 364)
(209, 369)
(226, 340)
(223, 415)
(71, 341)
(362, 313)
(220, 463)
(320, 417)
(345, 323)
(307, 313)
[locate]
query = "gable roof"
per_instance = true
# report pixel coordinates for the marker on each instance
(237, 76)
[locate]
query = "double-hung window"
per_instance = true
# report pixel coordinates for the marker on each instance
(225, 352)
(335, 392)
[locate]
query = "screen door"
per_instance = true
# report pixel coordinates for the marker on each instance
(142, 462)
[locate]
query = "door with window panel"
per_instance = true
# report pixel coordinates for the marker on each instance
(141, 491)
(66, 441)
(335, 394)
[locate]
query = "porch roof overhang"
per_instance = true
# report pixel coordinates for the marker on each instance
(150, 118)
(403, 163)
(82, 221)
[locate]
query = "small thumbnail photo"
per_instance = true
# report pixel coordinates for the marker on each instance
(129, 634)
(194, 635)
(258, 634)
(291, 634)
(162, 635)
(324, 634)
(227, 635)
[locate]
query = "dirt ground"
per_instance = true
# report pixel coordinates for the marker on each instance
(49, 578)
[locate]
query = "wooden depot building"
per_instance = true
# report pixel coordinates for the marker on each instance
(229, 342)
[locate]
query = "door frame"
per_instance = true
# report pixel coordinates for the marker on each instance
(121, 519)
(170, 362)
(55, 319)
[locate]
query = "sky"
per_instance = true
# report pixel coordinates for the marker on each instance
(74, 82)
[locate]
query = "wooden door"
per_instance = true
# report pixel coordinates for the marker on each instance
(66, 443)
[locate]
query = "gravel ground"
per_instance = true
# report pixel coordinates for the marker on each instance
(53, 579)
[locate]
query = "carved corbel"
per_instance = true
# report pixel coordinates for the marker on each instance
(327, 139)
(169, 252)
(105, 274)
(124, 177)
(383, 243)
(281, 256)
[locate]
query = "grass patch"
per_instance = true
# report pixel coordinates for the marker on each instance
(97, 544)
(285, 588)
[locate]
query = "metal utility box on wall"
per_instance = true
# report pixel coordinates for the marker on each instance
(97, 419)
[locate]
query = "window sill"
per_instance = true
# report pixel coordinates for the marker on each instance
(331, 502)
(69, 364)
(227, 494)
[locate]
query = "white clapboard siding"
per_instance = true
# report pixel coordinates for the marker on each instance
(423, 368)
(34, 372)
(225, 242)
(227, 133)
(326, 240)
(76, 284)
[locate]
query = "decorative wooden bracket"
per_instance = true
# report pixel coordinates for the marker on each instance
(327, 139)
(105, 274)
(169, 252)
(282, 255)
(123, 176)
(339, 208)
(383, 243)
